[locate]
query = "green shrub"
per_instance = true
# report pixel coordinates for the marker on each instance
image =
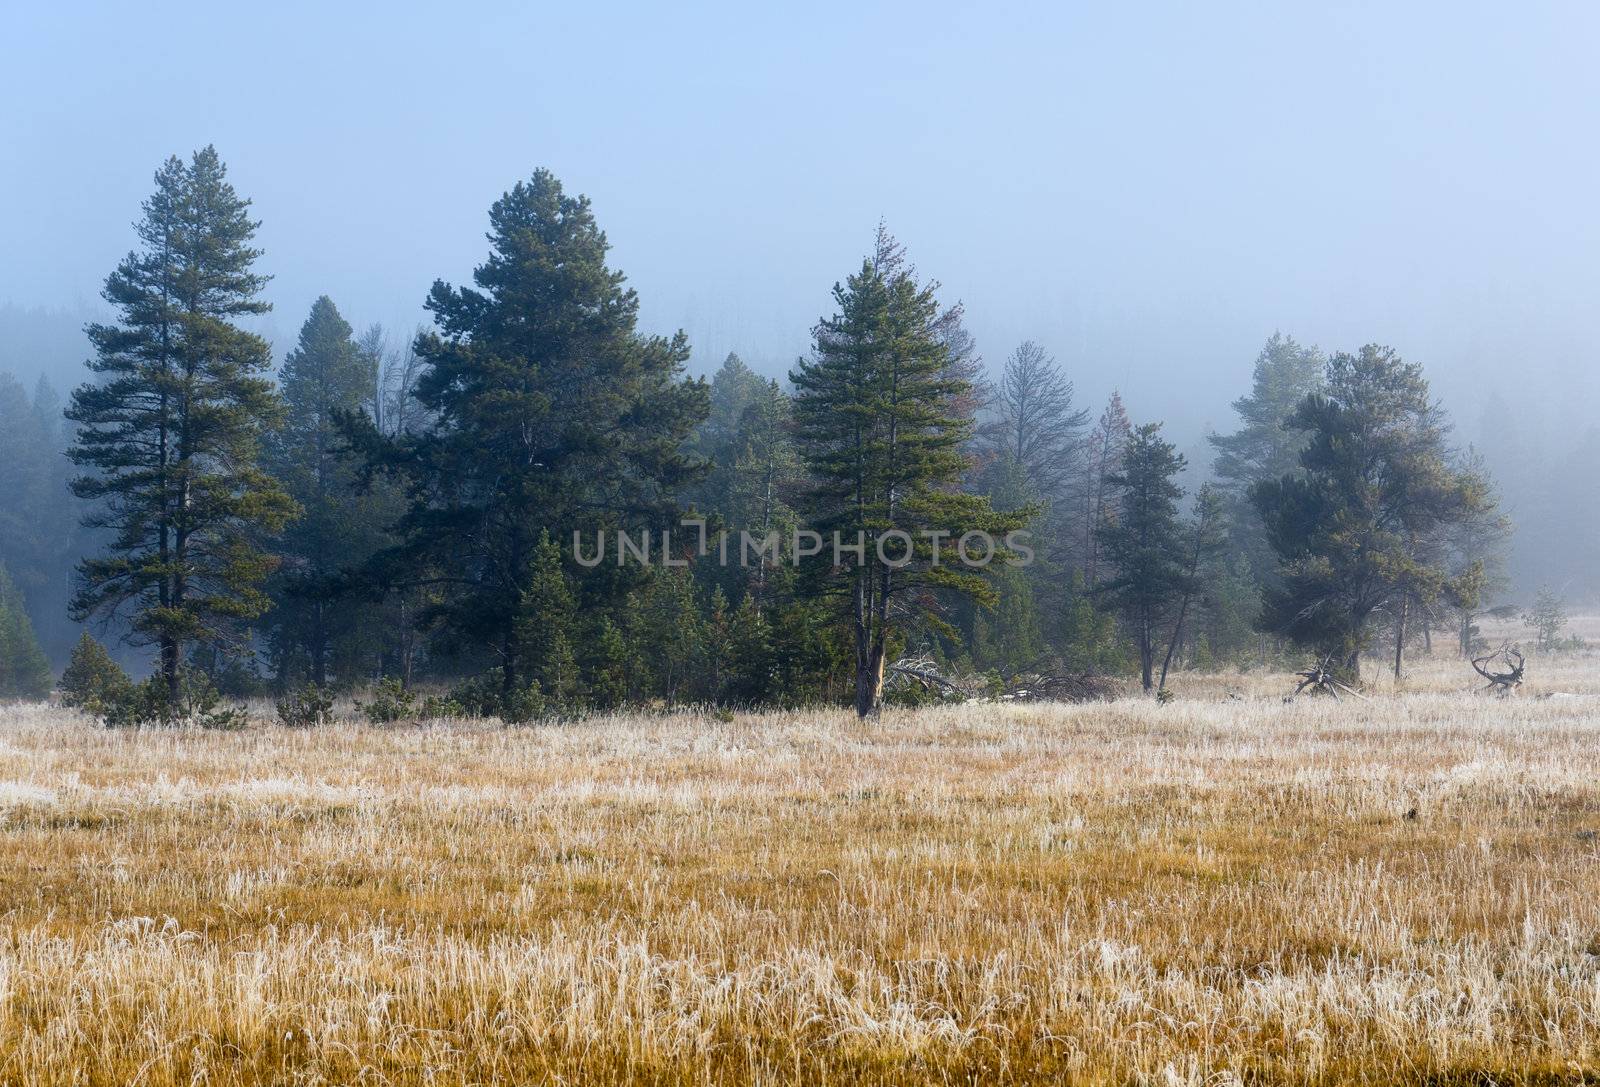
(198, 705)
(438, 706)
(390, 702)
(481, 697)
(306, 708)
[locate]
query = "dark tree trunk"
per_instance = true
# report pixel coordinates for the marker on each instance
(1400, 639)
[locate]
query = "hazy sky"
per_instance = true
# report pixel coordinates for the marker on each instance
(1147, 190)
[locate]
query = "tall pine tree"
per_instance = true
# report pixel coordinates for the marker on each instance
(169, 434)
(1144, 543)
(542, 410)
(1357, 530)
(313, 626)
(881, 417)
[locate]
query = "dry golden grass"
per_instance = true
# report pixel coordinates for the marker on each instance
(1220, 890)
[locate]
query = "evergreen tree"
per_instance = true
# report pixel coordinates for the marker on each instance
(1356, 529)
(1477, 546)
(1102, 460)
(670, 634)
(1264, 447)
(545, 625)
(1038, 428)
(1010, 638)
(1267, 445)
(609, 665)
(169, 435)
(881, 428)
(542, 410)
(24, 672)
(93, 681)
(37, 541)
(1205, 540)
(1143, 544)
(315, 627)
(1547, 618)
(751, 667)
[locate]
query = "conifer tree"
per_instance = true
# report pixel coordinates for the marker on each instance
(1144, 543)
(881, 426)
(36, 520)
(546, 625)
(541, 409)
(1038, 427)
(1477, 546)
(314, 623)
(1357, 528)
(169, 434)
(93, 681)
(24, 672)
(1267, 445)
(1102, 460)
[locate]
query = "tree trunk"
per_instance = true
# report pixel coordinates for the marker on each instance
(1400, 639)
(319, 655)
(1177, 632)
(869, 684)
(170, 669)
(1147, 656)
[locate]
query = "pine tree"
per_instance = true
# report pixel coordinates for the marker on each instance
(1102, 460)
(1038, 427)
(1356, 529)
(1547, 618)
(750, 666)
(169, 434)
(670, 634)
(545, 625)
(314, 617)
(1267, 445)
(1477, 546)
(36, 522)
(93, 681)
(24, 671)
(542, 410)
(1143, 542)
(1205, 539)
(881, 427)
(609, 665)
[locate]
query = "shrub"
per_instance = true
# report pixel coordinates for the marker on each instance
(198, 705)
(93, 682)
(306, 708)
(390, 702)
(481, 697)
(437, 706)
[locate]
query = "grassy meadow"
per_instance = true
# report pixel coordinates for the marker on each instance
(1226, 889)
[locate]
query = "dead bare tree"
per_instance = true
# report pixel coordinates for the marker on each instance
(1502, 682)
(922, 672)
(1084, 687)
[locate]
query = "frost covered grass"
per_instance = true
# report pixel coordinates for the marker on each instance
(1224, 889)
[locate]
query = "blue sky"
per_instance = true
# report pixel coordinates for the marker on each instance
(1149, 190)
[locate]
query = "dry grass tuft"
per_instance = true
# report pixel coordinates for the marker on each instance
(1226, 889)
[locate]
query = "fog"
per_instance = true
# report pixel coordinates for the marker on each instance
(1147, 191)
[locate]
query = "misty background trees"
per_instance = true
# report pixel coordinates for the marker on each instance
(405, 508)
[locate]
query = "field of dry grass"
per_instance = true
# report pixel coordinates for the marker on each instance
(1226, 889)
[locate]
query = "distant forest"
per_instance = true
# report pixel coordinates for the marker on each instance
(398, 513)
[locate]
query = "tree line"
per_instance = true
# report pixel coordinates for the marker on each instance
(406, 514)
